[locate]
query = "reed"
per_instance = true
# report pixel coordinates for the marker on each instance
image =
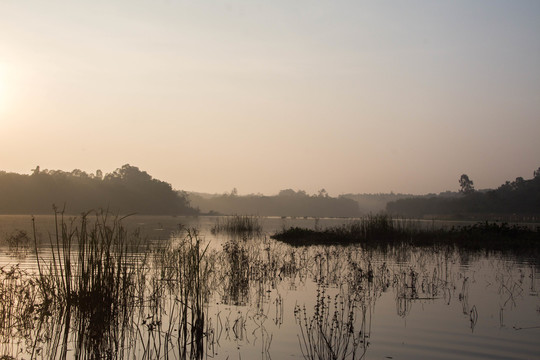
(90, 278)
(238, 225)
(238, 270)
(18, 300)
(91, 263)
(185, 268)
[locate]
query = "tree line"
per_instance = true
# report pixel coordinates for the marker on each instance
(126, 190)
(513, 197)
(287, 203)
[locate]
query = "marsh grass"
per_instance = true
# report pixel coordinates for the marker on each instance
(100, 296)
(107, 300)
(370, 228)
(91, 266)
(238, 225)
(185, 267)
(238, 272)
(18, 299)
(90, 279)
(382, 230)
(18, 242)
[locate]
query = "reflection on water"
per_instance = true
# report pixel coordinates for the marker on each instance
(202, 296)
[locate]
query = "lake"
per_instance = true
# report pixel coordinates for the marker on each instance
(199, 294)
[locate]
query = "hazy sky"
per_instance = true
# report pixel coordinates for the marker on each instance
(350, 96)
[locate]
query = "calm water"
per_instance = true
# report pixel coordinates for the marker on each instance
(267, 300)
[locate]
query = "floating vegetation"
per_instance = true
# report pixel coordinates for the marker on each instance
(238, 225)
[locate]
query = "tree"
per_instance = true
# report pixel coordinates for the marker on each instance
(287, 192)
(537, 173)
(519, 183)
(466, 184)
(323, 193)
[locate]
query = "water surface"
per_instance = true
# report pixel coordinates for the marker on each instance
(267, 300)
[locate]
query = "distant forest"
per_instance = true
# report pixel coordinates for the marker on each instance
(298, 203)
(287, 203)
(126, 190)
(131, 190)
(519, 197)
(376, 203)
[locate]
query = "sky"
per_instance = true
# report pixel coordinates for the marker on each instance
(350, 96)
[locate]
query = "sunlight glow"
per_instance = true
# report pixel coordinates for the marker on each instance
(3, 88)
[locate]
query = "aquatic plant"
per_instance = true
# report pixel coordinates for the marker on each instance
(91, 262)
(18, 300)
(18, 240)
(238, 225)
(186, 298)
(185, 267)
(91, 276)
(334, 331)
(382, 230)
(237, 273)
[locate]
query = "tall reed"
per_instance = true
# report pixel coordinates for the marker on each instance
(185, 266)
(238, 225)
(91, 276)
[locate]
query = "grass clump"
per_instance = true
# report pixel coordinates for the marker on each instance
(90, 279)
(90, 266)
(373, 227)
(238, 225)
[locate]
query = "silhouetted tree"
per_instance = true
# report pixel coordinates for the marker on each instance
(126, 190)
(517, 197)
(466, 184)
(519, 183)
(323, 193)
(287, 192)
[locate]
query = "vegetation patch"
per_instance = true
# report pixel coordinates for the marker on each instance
(238, 225)
(382, 230)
